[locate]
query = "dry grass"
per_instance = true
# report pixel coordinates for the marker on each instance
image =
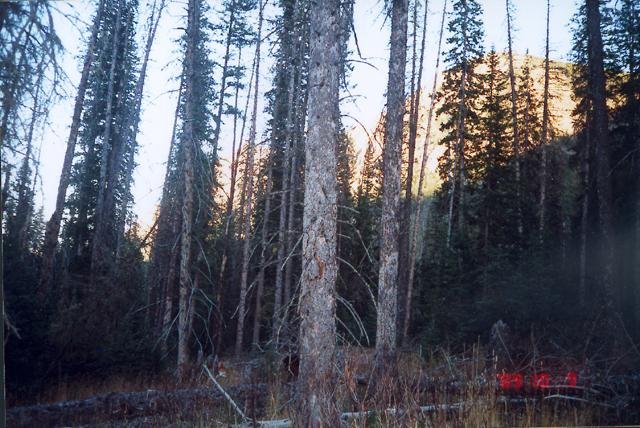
(460, 390)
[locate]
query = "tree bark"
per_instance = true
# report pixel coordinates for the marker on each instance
(316, 405)
(415, 225)
(597, 89)
(388, 276)
(184, 305)
(53, 225)
(248, 179)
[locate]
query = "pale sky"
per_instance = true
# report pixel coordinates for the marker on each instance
(368, 80)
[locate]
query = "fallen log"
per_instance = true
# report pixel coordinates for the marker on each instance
(120, 407)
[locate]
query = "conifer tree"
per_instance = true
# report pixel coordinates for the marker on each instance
(197, 163)
(103, 142)
(458, 97)
(489, 164)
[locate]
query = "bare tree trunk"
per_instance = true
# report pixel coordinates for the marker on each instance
(288, 268)
(263, 257)
(584, 216)
(278, 314)
(514, 121)
(5, 187)
(415, 225)
(167, 213)
(189, 143)
(53, 225)
(388, 276)
(248, 179)
(223, 79)
(28, 196)
(298, 124)
(316, 405)
(407, 209)
(458, 176)
(545, 136)
(97, 252)
(597, 89)
(229, 215)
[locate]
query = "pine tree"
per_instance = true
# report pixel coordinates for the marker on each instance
(53, 225)
(103, 142)
(458, 96)
(197, 165)
(489, 165)
(599, 127)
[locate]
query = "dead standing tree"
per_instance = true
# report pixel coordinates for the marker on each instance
(319, 244)
(248, 183)
(388, 277)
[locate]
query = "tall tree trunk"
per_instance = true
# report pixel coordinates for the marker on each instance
(278, 313)
(316, 405)
(584, 219)
(223, 79)
(288, 264)
(229, 214)
(415, 225)
(544, 137)
(388, 276)
(263, 257)
(297, 134)
(25, 198)
(186, 286)
(597, 89)
(99, 259)
(514, 122)
(53, 225)
(5, 187)
(407, 209)
(248, 179)
(133, 121)
(168, 212)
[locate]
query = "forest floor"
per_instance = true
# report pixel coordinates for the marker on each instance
(442, 390)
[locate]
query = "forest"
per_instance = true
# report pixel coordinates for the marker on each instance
(469, 257)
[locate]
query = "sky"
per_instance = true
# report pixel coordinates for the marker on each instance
(368, 79)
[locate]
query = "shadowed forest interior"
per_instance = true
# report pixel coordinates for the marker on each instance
(306, 266)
